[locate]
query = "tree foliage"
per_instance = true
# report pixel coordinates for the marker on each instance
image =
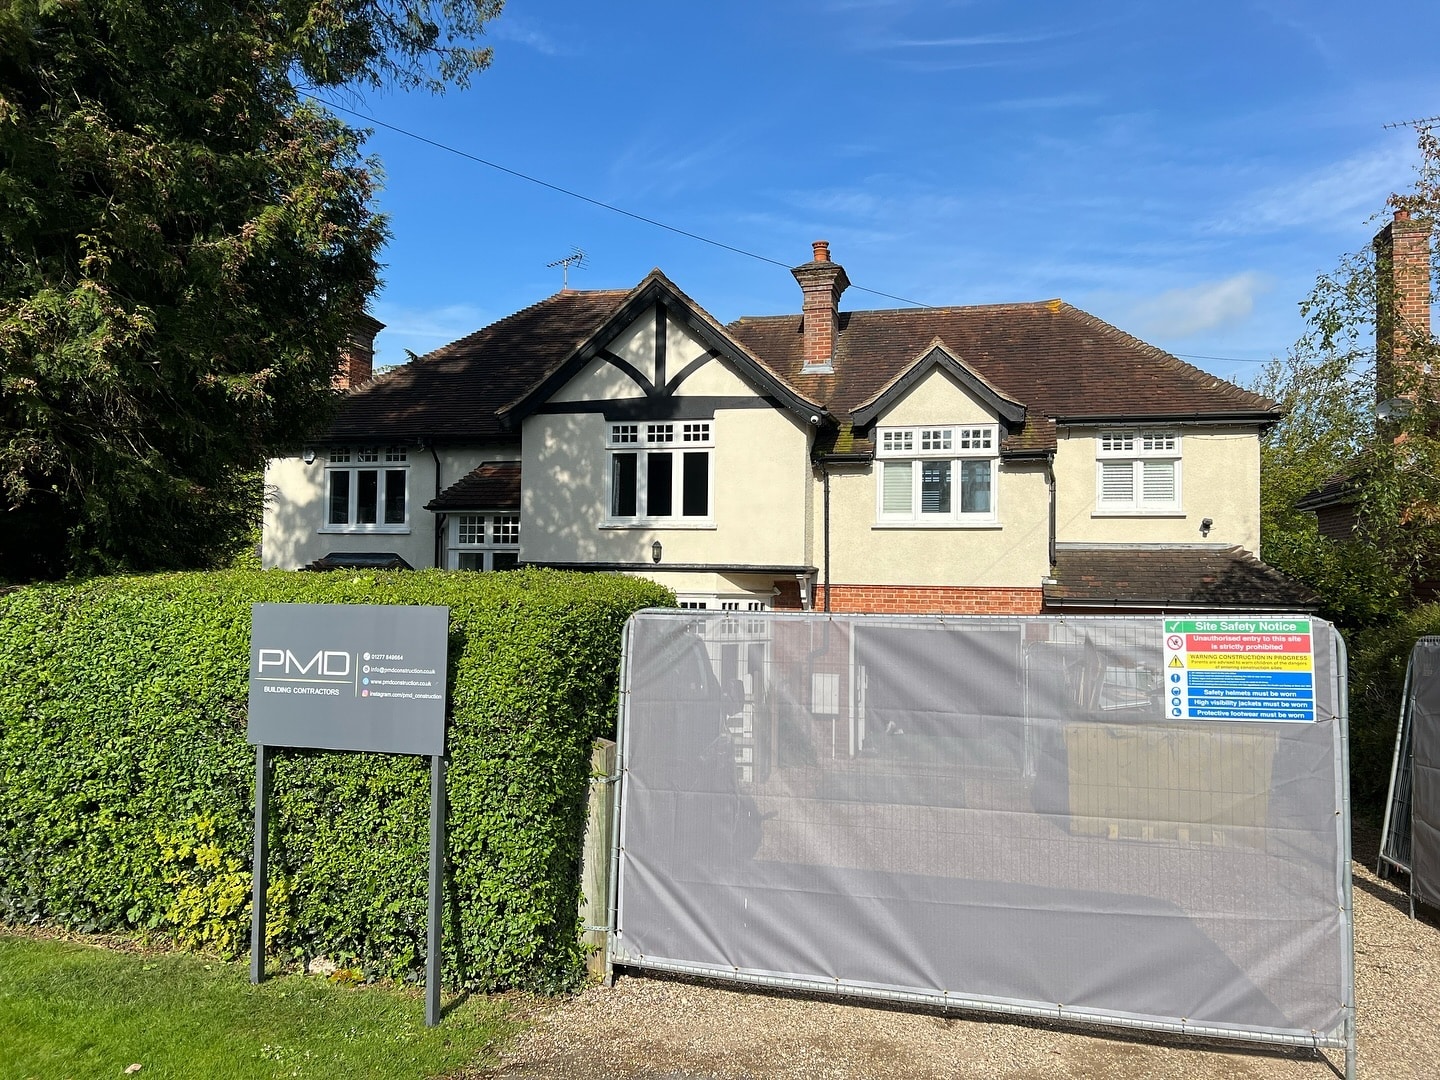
(1386, 470)
(186, 245)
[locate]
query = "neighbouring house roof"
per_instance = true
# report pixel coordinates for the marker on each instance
(494, 485)
(1141, 576)
(1061, 363)
(454, 394)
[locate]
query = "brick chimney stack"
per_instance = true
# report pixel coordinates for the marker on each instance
(1402, 302)
(357, 355)
(821, 282)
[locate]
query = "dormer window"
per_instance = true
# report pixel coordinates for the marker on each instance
(940, 475)
(1137, 472)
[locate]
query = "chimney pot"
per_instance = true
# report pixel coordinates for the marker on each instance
(1402, 215)
(821, 249)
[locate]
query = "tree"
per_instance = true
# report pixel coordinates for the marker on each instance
(186, 245)
(1357, 353)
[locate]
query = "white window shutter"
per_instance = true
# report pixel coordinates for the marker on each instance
(1158, 482)
(1117, 482)
(895, 488)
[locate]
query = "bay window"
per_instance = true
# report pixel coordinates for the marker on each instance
(937, 475)
(366, 489)
(1137, 472)
(660, 472)
(484, 541)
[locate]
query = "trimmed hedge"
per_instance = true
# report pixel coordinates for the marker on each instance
(126, 781)
(1378, 659)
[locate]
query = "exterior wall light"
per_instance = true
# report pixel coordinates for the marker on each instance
(656, 551)
(1206, 525)
(309, 455)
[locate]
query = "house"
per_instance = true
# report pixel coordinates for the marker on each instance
(1403, 344)
(1007, 458)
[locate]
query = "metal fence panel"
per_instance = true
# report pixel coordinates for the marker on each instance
(985, 813)
(1425, 771)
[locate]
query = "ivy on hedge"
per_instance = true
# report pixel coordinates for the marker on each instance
(126, 783)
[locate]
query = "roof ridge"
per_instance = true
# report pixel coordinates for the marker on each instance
(1051, 303)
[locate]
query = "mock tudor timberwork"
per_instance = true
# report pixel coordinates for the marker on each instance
(1000, 459)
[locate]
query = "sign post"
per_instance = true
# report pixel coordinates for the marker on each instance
(367, 678)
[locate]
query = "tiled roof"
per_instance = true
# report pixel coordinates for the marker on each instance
(452, 394)
(1175, 577)
(1059, 361)
(492, 486)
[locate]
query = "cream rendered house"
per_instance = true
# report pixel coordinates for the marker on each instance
(1010, 459)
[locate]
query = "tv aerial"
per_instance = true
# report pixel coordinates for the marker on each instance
(1423, 122)
(576, 258)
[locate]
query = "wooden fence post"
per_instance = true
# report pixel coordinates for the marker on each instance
(595, 862)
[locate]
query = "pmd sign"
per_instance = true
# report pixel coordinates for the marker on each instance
(348, 677)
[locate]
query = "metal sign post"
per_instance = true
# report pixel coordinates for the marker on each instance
(367, 678)
(437, 855)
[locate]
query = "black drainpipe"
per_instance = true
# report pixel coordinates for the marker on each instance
(439, 515)
(825, 472)
(1050, 480)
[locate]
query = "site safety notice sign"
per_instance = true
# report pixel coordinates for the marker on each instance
(1248, 668)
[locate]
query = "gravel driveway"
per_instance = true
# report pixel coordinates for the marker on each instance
(656, 1028)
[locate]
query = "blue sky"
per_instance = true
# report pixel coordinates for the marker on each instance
(1183, 170)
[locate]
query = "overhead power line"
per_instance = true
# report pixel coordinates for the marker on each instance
(588, 199)
(656, 223)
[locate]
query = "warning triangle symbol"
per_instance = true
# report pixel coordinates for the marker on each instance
(1175, 662)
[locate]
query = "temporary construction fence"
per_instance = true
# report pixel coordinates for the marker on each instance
(1129, 821)
(1410, 836)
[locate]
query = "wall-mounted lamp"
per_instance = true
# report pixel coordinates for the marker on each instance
(1206, 524)
(656, 551)
(309, 455)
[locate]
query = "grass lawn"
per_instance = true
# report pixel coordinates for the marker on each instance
(74, 1010)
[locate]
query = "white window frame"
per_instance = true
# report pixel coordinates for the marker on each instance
(496, 529)
(953, 444)
(352, 461)
(644, 438)
(1141, 449)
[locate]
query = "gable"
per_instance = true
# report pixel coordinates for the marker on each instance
(660, 357)
(656, 356)
(936, 398)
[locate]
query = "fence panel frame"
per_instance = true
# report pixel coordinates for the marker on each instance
(1343, 1038)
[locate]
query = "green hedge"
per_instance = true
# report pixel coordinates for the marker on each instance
(126, 781)
(1377, 680)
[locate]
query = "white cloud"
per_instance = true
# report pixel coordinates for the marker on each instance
(422, 330)
(1211, 305)
(1338, 196)
(509, 28)
(971, 41)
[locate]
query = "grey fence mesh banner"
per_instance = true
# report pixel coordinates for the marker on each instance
(985, 813)
(1425, 771)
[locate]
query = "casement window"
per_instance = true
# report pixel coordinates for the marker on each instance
(366, 489)
(660, 472)
(937, 475)
(1137, 472)
(484, 541)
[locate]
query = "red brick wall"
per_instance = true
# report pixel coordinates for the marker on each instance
(930, 600)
